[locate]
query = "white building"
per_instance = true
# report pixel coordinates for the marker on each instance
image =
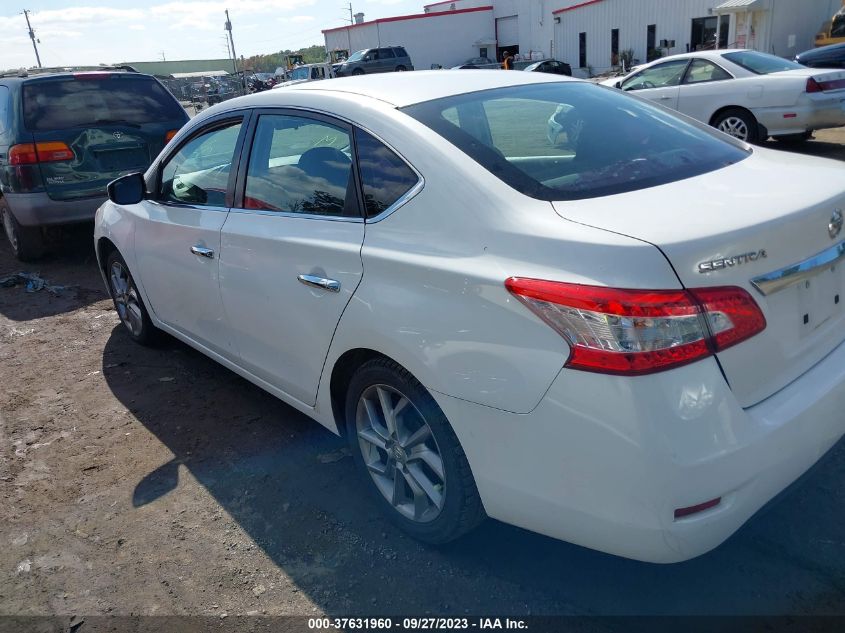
(589, 34)
(446, 38)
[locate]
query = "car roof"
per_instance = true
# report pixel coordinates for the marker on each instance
(403, 89)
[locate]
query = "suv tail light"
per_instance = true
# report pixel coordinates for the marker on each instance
(44, 152)
(634, 332)
(170, 134)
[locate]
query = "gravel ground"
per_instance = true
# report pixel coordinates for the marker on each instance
(139, 481)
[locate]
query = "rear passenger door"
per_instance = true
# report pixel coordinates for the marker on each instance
(291, 247)
(386, 60)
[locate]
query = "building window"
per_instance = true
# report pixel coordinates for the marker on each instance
(582, 50)
(614, 47)
(651, 43)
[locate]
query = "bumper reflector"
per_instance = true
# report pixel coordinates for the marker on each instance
(680, 513)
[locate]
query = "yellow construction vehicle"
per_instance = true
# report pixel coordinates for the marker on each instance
(833, 31)
(292, 60)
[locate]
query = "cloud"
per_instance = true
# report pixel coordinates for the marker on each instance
(298, 19)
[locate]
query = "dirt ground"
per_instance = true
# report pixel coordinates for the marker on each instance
(154, 481)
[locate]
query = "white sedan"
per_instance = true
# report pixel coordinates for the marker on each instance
(747, 94)
(631, 339)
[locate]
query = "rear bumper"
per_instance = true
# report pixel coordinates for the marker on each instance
(605, 461)
(816, 114)
(38, 209)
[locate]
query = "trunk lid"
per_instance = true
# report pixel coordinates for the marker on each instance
(114, 123)
(765, 219)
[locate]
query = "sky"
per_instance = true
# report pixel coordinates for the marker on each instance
(90, 32)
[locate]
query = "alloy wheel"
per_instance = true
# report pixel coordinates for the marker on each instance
(734, 126)
(400, 453)
(126, 298)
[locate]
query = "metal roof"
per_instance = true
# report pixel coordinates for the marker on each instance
(730, 6)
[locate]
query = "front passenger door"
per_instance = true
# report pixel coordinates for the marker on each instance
(177, 233)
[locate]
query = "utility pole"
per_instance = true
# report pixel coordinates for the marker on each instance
(228, 27)
(351, 18)
(32, 36)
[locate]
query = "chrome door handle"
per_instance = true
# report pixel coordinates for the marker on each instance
(665, 97)
(202, 251)
(320, 282)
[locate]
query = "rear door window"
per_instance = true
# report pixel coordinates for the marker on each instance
(385, 53)
(400, 52)
(385, 176)
(97, 99)
(300, 165)
(198, 174)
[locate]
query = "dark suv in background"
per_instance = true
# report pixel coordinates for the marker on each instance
(375, 60)
(65, 135)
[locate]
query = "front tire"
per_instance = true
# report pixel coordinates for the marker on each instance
(27, 242)
(401, 69)
(408, 454)
(357, 71)
(128, 303)
(740, 124)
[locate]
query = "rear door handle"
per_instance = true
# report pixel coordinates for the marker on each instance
(320, 282)
(202, 251)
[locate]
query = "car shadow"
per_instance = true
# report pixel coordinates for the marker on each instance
(822, 149)
(70, 263)
(291, 487)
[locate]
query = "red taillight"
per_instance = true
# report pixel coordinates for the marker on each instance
(680, 513)
(813, 85)
(634, 332)
(44, 152)
(170, 135)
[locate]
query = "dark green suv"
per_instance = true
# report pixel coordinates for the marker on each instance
(65, 135)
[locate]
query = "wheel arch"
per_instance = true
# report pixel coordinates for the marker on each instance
(762, 132)
(342, 371)
(105, 247)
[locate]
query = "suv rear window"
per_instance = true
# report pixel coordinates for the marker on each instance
(67, 102)
(574, 140)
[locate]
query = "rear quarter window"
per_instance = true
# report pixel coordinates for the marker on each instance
(4, 109)
(67, 102)
(385, 176)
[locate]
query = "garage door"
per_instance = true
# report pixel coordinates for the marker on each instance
(507, 31)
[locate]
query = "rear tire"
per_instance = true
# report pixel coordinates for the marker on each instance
(128, 302)
(738, 123)
(408, 454)
(27, 242)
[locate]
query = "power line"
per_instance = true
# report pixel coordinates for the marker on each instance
(32, 36)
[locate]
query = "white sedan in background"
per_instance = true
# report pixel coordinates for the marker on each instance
(632, 342)
(747, 94)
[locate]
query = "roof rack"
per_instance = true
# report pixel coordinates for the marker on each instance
(27, 72)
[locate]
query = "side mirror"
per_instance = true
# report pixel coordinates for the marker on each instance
(618, 84)
(129, 189)
(368, 58)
